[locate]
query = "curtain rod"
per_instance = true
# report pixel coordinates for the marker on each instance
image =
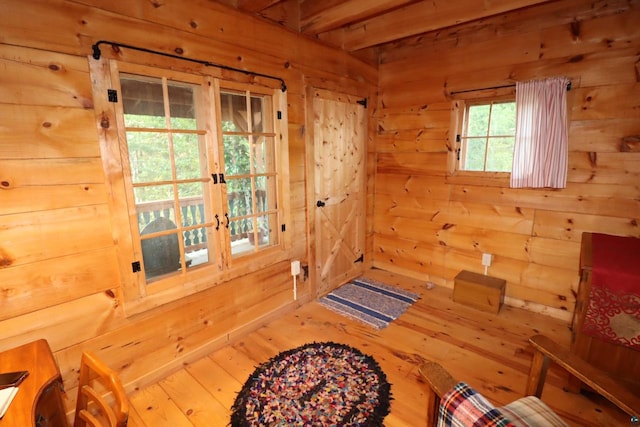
(97, 53)
(494, 87)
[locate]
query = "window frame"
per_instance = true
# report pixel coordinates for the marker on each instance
(456, 175)
(136, 294)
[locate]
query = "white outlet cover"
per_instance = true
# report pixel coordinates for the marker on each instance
(486, 259)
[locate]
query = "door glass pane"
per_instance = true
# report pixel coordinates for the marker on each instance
(240, 230)
(190, 157)
(240, 201)
(161, 254)
(143, 102)
(264, 188)
(181, 106)
(263, 155)
(149, 156)
(268, 225)
(156, 200)
(236, 155)
(234, 112)
(257, 114)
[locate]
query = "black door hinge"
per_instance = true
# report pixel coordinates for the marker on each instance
(112, 95)
(279, 115)
(218, 177)
(136, 267)
(283, 227)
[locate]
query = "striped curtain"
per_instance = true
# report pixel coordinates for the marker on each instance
(540, 153)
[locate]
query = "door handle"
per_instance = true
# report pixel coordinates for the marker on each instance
(320, 204)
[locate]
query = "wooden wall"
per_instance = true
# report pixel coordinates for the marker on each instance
(59, 275)
(431, 226)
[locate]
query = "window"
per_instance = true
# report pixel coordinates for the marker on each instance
(249, 158)
(488, 135)
(202, 164)
(169, 164)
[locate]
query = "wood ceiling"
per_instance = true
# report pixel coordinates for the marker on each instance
(355, 25)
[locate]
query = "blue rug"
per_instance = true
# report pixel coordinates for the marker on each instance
(369, 301)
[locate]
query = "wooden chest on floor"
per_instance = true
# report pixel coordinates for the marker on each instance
(482, 292)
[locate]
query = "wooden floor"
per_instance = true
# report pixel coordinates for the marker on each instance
(489, 352)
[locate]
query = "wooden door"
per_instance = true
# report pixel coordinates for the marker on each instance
(339, 136)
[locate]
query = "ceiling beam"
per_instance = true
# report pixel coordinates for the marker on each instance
(348, 11)
(418, 18)
(255, 6)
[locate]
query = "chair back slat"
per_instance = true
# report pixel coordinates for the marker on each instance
(92, 407)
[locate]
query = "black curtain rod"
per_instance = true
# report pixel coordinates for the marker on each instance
(97, 53)
(494, 87)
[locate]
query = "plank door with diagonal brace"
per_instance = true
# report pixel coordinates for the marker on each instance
(339, 133)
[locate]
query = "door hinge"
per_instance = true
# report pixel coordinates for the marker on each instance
(112, 95)
(218, 177)
(136, 267)
(283, 227)
(363, 102)
(279, 115)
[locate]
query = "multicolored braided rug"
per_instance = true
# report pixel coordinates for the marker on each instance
(319, 384)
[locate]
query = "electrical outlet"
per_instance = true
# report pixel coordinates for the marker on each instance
(295, 268)
(486, 259)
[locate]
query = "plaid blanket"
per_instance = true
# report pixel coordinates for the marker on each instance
(463, 406)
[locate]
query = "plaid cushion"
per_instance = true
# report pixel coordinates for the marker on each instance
(531, 411)
(463, 406)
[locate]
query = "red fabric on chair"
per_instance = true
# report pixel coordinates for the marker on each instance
(613, 313)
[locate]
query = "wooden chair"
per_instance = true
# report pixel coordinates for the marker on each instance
(96, 381)
(545, 350)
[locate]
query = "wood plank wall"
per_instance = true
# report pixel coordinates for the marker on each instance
(432, 226)
(59, 275)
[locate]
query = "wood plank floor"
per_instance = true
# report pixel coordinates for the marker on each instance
(490, 352)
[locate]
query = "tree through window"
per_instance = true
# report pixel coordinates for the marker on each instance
(488, 135)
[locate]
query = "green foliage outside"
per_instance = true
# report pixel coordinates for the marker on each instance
(150, 160)
(492, 128)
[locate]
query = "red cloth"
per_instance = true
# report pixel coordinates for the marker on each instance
(616, 263)
(613, 312)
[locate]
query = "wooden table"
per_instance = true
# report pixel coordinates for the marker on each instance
(39, 396)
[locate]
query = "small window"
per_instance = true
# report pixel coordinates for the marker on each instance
(488, 136)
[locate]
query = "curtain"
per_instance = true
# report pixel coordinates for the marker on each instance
(540, 153)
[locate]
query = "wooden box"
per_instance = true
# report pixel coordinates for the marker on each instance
(482, 292)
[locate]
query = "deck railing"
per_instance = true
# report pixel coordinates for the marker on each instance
(193, 213)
